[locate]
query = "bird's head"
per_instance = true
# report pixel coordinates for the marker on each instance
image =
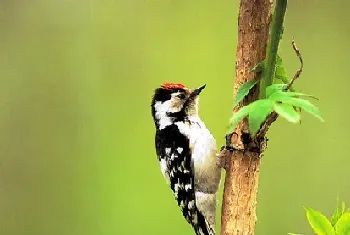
(175, 102)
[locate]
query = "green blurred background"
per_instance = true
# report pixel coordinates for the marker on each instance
(76, 134)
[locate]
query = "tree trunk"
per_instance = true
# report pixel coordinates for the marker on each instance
(242, 171)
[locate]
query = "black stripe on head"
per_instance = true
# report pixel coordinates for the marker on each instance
(161, 94)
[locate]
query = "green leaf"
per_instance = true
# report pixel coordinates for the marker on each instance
(337, 213)
(243, 91)
(275, 88)
(342, 227)
(294, 234)
(237, 117)
(281, 73)
(335, 216)
(257, 114)
(285, 80)
(319, 222)
(259, 67)
(278, 60)
(301, 103)
(278, 94)
(287, 111)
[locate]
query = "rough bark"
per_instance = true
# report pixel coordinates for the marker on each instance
(242, 171)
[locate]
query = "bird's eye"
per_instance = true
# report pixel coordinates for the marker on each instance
(181, 96)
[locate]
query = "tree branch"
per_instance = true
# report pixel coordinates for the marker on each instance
(242, 172)
(241, 183)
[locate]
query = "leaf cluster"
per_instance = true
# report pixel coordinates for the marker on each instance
(339, 224)
(286, 103)
(280, 75)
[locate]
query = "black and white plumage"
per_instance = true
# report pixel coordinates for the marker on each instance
(187, 154)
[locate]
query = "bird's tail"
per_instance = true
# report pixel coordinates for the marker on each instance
(206, 213)
(202, 227)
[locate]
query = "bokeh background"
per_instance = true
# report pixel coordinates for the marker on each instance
(76, 135)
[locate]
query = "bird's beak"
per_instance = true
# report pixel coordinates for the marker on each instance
(196, 91)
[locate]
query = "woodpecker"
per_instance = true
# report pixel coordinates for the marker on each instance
(187, 154)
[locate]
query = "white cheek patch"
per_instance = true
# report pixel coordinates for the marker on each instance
(161, 109)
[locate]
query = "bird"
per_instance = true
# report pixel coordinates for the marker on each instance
(187, 154)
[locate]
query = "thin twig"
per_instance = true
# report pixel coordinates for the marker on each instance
(300, 70)
(265, 126)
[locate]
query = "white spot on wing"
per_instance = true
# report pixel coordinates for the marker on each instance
(191, 205)
(188, 187)
(195, 218)
(201, 231)
(167, 151)
(179, 150)
(176, 188)
(163, 167)
(182, 204)
(181, 186)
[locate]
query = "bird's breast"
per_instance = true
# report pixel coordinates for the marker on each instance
(203, 152)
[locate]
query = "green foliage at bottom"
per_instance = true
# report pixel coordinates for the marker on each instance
(339, 224)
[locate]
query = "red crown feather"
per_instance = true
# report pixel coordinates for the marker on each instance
(169, 86)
